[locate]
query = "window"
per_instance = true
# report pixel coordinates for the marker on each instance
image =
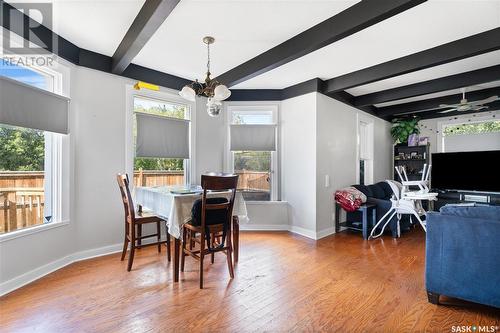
(159, 171)
(29, 163)
(474, 135)
(255, 164)
(472, 128)
(365, 149)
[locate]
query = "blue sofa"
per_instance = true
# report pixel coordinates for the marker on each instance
(380, 195)
(462, 257)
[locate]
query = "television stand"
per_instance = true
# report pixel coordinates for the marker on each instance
(453, 197)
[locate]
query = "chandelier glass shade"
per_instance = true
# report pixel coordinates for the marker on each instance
(213, 89)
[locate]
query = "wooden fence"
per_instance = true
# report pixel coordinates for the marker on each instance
(22, 192)
(253, 180)
(21, 200)
(158, 178)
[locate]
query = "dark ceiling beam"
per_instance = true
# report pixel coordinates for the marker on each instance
(483, 75)
(354, 19)
(151, 16)
(432, 104)
(460, 49)
(46, 39)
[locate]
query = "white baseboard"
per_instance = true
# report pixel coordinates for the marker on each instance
(325, 232)
(264, 227)
(21, 280)
(303, 232)
(39, 272)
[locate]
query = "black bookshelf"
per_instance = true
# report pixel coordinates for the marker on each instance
(412, 158)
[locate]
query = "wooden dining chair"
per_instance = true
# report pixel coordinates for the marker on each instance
(211, 223)
(134, 220)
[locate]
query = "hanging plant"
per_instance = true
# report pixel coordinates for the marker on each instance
(402, 128)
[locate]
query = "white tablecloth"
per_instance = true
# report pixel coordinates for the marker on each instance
(176, 208)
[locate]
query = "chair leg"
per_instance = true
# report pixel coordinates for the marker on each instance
(236, 238)
(169, 256)
(229, 256)
(158, 235)
(124, 251)
(139, 235)
(125, 241)
(212, 242)
(132, 247)
(202, 256)
(183, 253)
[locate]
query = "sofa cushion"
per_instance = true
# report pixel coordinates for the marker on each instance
(364, 189)
(481, 212)
(379, 190)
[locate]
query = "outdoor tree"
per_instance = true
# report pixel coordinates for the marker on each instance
(21, 149)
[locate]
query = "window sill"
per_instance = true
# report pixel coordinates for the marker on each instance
(31, 230)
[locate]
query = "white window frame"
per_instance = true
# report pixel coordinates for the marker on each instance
(363, 120)
(250, 107)
(167, 96)
(58, 179)
(460, 120)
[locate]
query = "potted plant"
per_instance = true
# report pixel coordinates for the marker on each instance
(402, 128)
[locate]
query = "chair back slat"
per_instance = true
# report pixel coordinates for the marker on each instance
(128, 203)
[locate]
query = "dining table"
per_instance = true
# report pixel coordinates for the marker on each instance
(174, 203)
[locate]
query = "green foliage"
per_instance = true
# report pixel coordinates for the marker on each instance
(473, 128)
(171, 164)
(402, 128)
(252, 160)
(173, 111)
(21, 149)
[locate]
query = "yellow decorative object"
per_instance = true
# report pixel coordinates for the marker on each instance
(144, 85)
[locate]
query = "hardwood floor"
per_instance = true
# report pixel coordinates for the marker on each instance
(283, 282)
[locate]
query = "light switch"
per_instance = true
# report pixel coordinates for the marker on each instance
(327, 181)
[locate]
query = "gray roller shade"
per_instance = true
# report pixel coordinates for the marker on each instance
(26, 106)
(162, 137)
(253, 137)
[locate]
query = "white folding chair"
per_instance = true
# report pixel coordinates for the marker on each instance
(406, 202)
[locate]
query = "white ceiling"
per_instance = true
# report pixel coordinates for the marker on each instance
(427, 25)
(245, 28)
(96, 25)
(460, 66)
(242, 30)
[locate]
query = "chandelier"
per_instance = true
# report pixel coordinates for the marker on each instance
(213, 89)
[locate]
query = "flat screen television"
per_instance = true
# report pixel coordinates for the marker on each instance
(466, 171)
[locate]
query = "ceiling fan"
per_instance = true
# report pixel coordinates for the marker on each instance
(465, 105)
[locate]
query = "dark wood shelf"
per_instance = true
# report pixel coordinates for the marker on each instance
(413, 166)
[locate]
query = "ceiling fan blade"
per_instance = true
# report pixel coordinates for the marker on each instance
(449, 105)
(479, 107)
(446, 111)
(485, 101)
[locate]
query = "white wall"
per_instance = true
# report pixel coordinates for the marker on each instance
(336, 150)
(298, 160)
